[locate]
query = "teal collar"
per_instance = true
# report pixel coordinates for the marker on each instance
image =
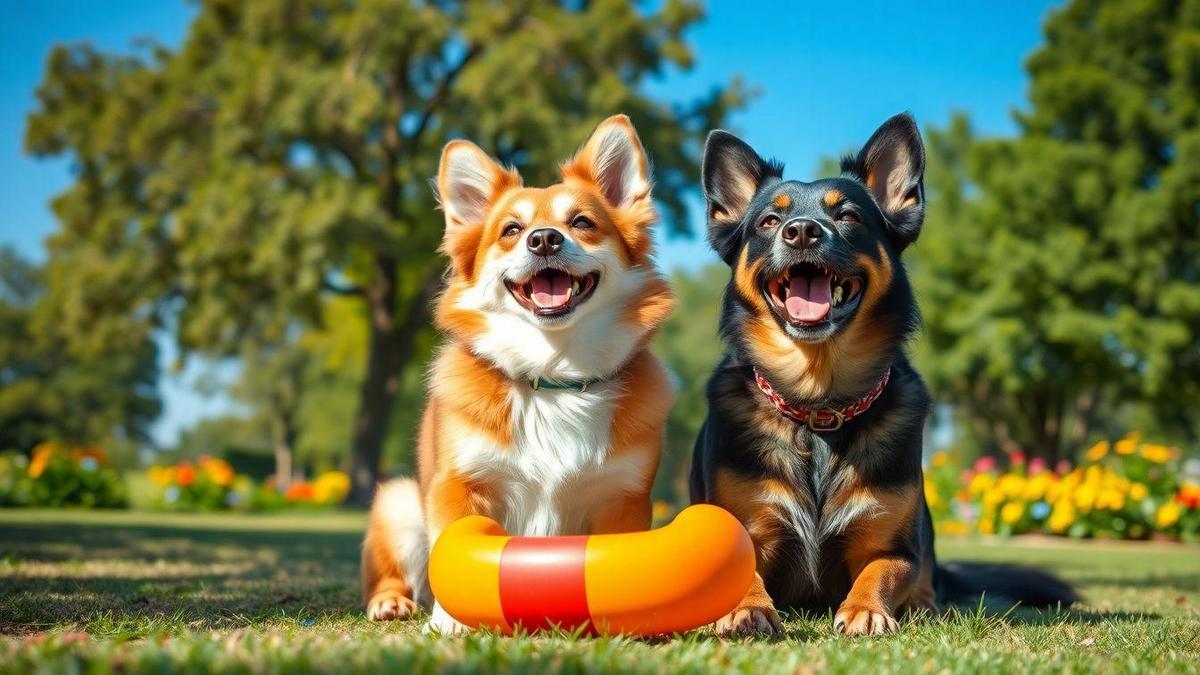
(581, 385)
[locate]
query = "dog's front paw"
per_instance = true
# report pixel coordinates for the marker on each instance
(748, 621)
(389, 605)
(441, 623)
(855, 619)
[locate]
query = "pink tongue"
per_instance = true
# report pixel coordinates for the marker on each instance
(550, 289)
(808, 301)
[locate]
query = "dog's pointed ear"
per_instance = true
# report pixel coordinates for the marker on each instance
(469, 182)
(731, 174)
(615, 161)
(892, 166)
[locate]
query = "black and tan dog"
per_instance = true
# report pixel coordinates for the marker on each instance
(813, 435)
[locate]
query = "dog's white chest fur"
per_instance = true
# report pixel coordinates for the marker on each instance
(548, 482)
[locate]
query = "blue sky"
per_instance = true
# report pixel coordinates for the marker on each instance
(829, 73)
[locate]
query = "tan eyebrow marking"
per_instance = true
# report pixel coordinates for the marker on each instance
(833, 197)
(782, 201)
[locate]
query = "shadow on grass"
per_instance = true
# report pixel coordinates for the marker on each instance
(140, 578)
(1176, 582)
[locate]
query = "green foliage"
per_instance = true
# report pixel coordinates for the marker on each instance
(56, 477)
(282, 154)
(1059, 271)
(279, 593)
(50, 390)
(689, 344)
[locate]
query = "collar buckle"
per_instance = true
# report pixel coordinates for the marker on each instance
(825, 420)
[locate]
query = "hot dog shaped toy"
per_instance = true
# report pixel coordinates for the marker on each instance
(684, 575)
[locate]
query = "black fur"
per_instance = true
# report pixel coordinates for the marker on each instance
(869, 215)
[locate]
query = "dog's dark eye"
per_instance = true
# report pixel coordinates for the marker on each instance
(848, 217)
(511, 229)
(582, 223)
(769, 221)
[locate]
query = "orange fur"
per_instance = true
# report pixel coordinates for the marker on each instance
(471, 405)
(847, 364)
(782, 201)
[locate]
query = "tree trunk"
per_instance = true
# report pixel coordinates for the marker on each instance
(390, 351)
(283, 467)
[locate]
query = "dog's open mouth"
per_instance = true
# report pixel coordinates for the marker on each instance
(553, 292)
(808, 294)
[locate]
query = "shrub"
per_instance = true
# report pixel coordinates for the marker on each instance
(59, 475)
(1123, 490)
(208, 484)
(212, 485)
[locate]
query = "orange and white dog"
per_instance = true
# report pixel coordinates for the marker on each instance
(546, 409)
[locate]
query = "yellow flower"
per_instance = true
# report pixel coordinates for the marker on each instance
(1085, 497)
(931, 494)
(42, 454)
(1138, 492)
(939, 459)
(953, 528)
(219, 471)
(331, 487)
(1111, 499)
(1012, 512)
(1128, 445)
(1168, 515)
(986, 526)
(993, 497)
(980, 484)
(1062, 517)
(1159, 454)
(1097, 451)
(1038, 486)
(161, 476)
(1011, 485)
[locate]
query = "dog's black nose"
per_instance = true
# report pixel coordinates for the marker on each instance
(544, 242)
(802, 233)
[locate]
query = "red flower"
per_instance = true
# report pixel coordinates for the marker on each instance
(300, 492)
(185, 475)
(1017, 457)
(985, 464)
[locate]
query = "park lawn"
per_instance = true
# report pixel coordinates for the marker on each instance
(138, 592)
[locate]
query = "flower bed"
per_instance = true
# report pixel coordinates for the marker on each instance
(210, 484)
(60, 475)
(1123, 490)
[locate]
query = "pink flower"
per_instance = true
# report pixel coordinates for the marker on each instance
(1063, 467)
(1017, 457)
(985, 464)
(1037, 465)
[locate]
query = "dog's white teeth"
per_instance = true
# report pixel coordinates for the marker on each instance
(574, 286)
(837, 296)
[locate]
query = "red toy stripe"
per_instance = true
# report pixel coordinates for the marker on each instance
(541, 576)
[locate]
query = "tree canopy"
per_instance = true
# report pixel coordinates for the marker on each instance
(1059, 271)
(226, 189)
(51, 391)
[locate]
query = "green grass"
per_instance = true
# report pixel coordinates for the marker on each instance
(133, 592)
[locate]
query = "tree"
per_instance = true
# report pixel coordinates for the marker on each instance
(1060, 277)
(689, 344)
(281, 155)
(49, 392)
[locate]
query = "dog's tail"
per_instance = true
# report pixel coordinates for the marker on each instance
(1028, 586)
